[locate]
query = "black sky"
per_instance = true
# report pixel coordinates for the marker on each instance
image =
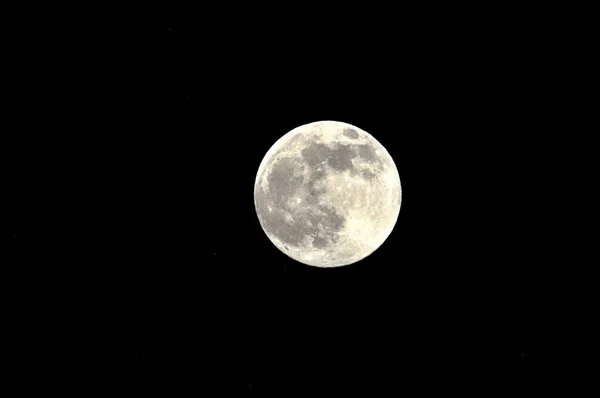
(135, 232)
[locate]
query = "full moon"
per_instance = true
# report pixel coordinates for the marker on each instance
(327, 194)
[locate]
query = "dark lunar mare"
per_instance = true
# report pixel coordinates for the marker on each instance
(283, 185)
(316, 153)
(332, 221)
(367, 152)
(319, 242)
(350, 133)
(282, 181)
(340, 156)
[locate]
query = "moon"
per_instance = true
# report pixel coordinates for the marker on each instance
(327, 194)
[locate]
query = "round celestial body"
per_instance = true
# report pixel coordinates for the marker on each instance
(327, 194)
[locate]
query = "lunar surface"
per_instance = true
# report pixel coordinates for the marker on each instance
(327, 194)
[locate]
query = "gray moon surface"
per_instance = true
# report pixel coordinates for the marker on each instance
(327, 194)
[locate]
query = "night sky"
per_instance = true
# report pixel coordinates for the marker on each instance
(135, 248)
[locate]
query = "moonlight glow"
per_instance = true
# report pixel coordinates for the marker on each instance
(327, 194)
